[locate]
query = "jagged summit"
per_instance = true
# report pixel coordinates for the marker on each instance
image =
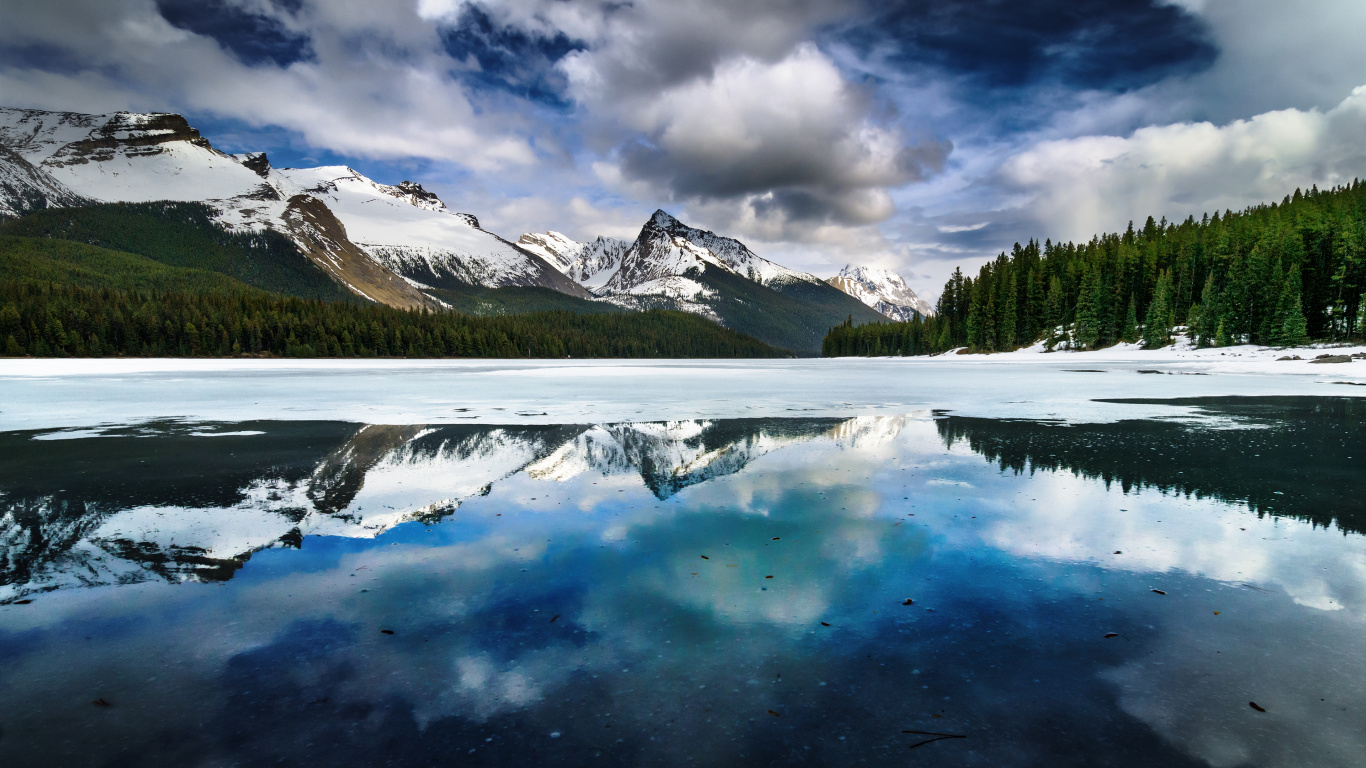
(671, 265)
(883, 290)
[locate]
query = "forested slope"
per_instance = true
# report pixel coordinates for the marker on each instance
(58, 320)
(1279, 274)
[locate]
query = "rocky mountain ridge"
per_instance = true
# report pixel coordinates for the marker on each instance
(883, 290)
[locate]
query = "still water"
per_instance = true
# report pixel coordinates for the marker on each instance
(912, 589)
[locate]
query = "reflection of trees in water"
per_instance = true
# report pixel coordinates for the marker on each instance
(1298, 457)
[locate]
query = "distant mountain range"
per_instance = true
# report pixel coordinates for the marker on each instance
(401, 246)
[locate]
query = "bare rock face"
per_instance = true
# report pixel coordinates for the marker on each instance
(257, 162)
(322, 238)
(124, 133)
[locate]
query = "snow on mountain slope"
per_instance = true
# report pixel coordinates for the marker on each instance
(883, 290)
(25, 188)
(591, 265)
(735, 255)
(407, 232)
(125, 156)
(413, 233)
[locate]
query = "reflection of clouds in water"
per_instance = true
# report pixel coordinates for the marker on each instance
(1081, 521)
(1193, 686)
(473, 637)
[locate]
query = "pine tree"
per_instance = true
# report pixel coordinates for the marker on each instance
(976, 319)
(1128, 332)
(1053, 316)
(1203, 327)
(1361, 317)
(1292, 330)
(1157, 326)
(1221, 338)
(1009, 318)
(1088, 318)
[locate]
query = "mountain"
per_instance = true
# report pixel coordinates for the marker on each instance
(397, 245)
(179, 502)
(588, 264)
(883, 290)
(384, 243)
(671, 265)
(24, 188)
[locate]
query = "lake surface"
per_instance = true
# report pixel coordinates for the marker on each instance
(915, 587)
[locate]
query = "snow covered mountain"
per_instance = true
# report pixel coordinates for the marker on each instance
(588, 264)
(671, 265)
(24, 188)
(883, 290)
(386, 243)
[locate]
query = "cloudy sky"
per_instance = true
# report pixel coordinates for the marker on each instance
(911, 134)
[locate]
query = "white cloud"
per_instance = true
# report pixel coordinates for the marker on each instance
(1077, 187)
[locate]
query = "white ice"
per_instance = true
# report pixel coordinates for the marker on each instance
(67, 393)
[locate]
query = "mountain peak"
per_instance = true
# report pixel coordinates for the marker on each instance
(883, 290)
(663, 220)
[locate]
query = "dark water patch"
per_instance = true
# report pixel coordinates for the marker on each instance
(1286, 456)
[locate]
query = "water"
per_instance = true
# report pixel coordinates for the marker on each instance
(691, 592)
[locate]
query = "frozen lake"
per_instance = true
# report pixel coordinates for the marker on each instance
(871, 562)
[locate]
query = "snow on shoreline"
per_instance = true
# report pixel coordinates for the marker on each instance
(1068, 386)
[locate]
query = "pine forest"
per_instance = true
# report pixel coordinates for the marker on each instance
(1281, 274)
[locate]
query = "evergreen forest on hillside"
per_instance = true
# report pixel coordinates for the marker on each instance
(51, 320)
(182, 234)
(1281, 274)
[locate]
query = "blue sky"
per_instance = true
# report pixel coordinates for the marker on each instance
(905, 133)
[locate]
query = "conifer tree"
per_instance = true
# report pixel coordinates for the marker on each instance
(976, 320)
(1158, 324)
(1203, 327)
(1293, 330)
(1221, 338)
(1054, 315)
(1088, 317)
(1128, 331)
(1009, 318)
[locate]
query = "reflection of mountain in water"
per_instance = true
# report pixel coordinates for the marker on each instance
(673, 455)
(1300, 457)
(180, 502)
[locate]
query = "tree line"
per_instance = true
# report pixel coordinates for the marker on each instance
(58, 320)
(1279, 274)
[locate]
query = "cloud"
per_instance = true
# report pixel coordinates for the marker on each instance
(369, 80)
(791, 138)
(1077, 187)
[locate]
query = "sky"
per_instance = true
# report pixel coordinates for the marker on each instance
(915, 135)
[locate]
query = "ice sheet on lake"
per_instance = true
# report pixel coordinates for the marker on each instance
(45, 394)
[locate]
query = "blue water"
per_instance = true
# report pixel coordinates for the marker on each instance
(691, 593)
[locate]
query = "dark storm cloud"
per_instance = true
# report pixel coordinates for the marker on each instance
(510, 59)
(1094, 44)
(250, 34)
